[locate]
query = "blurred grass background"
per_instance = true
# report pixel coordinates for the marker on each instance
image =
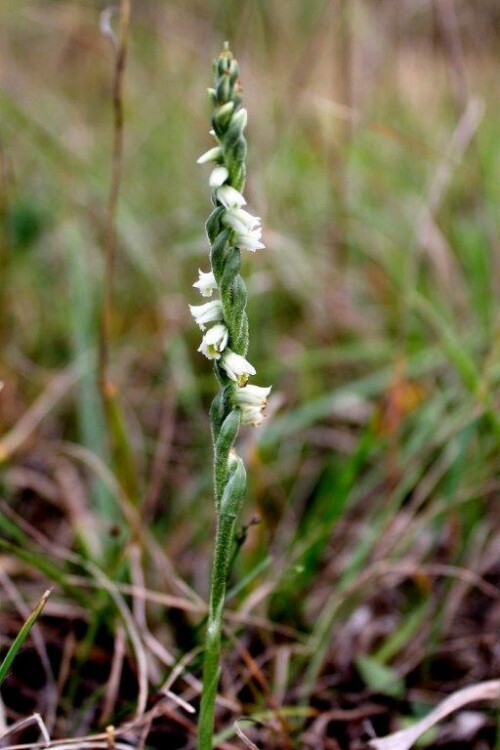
(371, 527)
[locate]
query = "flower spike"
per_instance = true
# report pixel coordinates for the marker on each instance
(230, 230)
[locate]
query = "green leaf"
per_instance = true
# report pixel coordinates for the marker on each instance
(380, 678)
(402, 635)
(21, 636)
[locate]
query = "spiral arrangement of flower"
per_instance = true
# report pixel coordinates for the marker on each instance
(230, 230)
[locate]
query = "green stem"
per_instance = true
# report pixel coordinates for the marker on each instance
(230, 506)
(212, 647)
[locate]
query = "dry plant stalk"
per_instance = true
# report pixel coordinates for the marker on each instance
(112, 412)
(406, 738)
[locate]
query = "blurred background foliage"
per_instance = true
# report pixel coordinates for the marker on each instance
(374, 164)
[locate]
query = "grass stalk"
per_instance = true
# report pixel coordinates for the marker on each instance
(19, 640)
(113, 414)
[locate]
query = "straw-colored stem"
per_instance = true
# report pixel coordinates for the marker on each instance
(122, 454)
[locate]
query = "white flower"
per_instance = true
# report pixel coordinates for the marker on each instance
(252, 415)
(237, 367)
(230, 197)
(211, 312)
(252, 395)
(250, 241)
(218, 177)
(206, 283)
(213, 154)
(252, 400)
(214, 341)
(247, 228)
(240, 220)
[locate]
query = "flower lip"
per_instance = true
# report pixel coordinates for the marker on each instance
(250, 241)
(233, 219)
(237, 367)
(242, 218)
(210, 312)
(230, 197)
(214, 341)
(252, 400)
(252, 415)
(206, 283)
(247, 228)
(252, 394)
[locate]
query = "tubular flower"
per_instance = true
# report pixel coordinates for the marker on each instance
(206, 283)
(237, 367)
(250, 240)
(230, 197)
(240, 220)
(248, 231)
(213, 154)
(211, 312)
(214, 341)
(218, 177)
(252, 400)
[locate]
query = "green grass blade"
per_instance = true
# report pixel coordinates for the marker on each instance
(21, 636)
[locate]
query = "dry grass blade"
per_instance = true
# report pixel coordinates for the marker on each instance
(133, 633)
(180, 702)
(243, 737)
(406, 738)
(259, 678)
(428, 234)
(27, 424)
(133, 518)
(87, 744)
(23, 723)
(119, 441)
(113, 685)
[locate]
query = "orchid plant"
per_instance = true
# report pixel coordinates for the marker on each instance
(230, 230)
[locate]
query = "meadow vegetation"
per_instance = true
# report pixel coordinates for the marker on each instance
(364, 579)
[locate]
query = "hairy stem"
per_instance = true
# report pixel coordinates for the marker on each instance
(229, 229)
(230, 507)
